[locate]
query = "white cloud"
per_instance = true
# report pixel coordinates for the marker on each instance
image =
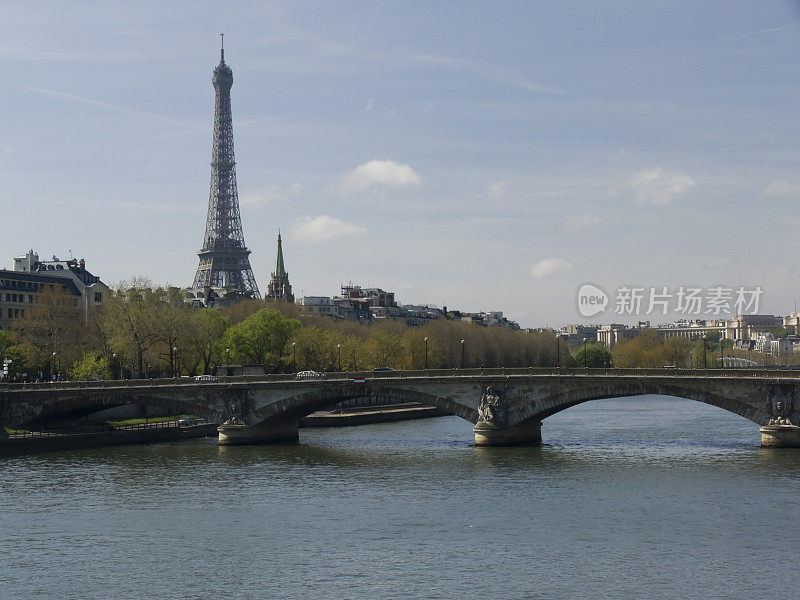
(272, 193)
(659, 188)
(370, 105)
(260, 197)
(384, 173)
(498, 188)
(780, 188)
(578, 222)
(323, 228)
(549, 266)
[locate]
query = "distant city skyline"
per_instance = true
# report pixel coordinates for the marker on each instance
(483, 157)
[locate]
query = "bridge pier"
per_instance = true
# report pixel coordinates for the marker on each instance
(233, 434)
(780, 436)
(529, 433)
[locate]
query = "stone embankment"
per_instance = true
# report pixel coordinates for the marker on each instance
(371, 414)
(37, 442)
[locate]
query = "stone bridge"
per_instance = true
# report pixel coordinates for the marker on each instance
(506, 406)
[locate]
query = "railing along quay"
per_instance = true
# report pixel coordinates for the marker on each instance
(90, 430)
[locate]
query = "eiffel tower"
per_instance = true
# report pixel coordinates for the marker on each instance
(224, 260)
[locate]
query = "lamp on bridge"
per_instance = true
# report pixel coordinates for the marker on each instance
(175, 359)
(294, 356)
(54, 367)
(339, 351)
(584, 352)
(705, 359)
(558, 351)
(462, 354)
(426, 353)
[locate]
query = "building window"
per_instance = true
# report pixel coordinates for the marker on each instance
(98, 296)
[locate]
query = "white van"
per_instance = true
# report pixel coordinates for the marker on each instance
(308, 375)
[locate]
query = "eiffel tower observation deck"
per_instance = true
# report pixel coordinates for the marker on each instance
(224, 270)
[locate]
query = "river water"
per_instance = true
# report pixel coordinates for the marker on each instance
(647, 497)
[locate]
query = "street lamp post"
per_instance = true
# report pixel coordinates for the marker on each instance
(54, 367)
(426, 353)
(584, 352)
(722, 351)
(339, 350)
(294, 356)
(462, 354)
(558, 351)
(175, 372)
(705, 358)
(114, 372)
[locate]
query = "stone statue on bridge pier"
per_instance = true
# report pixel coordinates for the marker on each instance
(780, 430)
(493, 429)
(491, 410)
(781, 413)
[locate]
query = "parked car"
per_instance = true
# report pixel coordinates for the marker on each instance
(205, 378)
(383, 370)
(186, 421)
(308, 375)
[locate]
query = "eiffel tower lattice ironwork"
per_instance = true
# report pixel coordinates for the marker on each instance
(224, 259)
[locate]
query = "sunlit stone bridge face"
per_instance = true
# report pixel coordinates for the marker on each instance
(506, 406)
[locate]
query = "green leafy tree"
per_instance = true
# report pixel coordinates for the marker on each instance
(92, 366)
(53, 324)
(645, 351)
(677, 352)
(413, 350)
(594, 357)
(310, 351)
(9, 350)
(200, 339)
(383, 349)
(261, 339)
(698, 355)
(131, 320)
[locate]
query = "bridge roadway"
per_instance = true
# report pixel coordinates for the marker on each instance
(507, 406)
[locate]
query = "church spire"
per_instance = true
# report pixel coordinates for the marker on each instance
(279, 286)
(280, 270)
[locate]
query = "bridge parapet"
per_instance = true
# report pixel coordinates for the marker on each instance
(792, 374)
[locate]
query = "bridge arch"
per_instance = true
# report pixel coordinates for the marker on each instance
(74, 406)
(550, 405)
(301, 405)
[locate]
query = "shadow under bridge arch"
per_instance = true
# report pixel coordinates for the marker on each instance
(295, 407)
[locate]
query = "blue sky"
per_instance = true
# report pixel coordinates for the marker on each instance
(474, 154)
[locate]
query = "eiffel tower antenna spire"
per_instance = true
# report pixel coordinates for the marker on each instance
(224, 259)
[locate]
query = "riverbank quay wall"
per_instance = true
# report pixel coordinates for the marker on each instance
(17, 445)
(506, 405)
